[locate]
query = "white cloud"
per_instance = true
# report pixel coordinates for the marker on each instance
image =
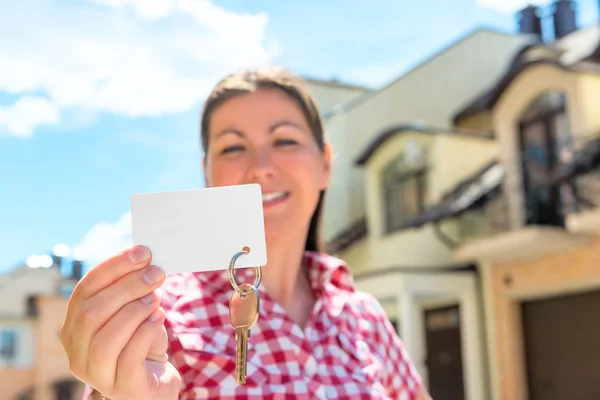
(128, 57)
(104, 240)
(26, 114)
(509, 6)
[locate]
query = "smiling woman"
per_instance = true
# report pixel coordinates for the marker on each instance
(317, 337)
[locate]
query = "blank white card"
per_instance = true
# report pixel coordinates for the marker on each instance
(202, 229)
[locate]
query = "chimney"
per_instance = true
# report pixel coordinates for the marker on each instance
(530, 21)
(32, 306)
(565, 21)
(77, 270)
(57, 261)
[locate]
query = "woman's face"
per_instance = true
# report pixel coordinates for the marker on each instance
(263, 137)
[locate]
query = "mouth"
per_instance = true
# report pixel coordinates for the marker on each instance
(269, 198)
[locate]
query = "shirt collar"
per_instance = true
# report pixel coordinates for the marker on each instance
(326, 274)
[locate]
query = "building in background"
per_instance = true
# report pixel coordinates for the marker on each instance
(33, 303)
(541, 274)
(408, 156)
(471, 213)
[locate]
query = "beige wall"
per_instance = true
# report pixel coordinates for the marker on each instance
(23, 282)
(337, 212)
(358, 256)
(533, 278)
(589, 91)
(52, 365)
(432, 93)
(13, 381)
(458, 157)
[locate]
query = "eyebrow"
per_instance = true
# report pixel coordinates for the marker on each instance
(272, 129)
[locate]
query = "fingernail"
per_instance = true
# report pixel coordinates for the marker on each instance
(155, 315)
(152, 274)
(149, 298)
(139, 254)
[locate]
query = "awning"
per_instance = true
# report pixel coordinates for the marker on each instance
(465, 195)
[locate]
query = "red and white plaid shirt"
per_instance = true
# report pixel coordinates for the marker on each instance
(348, 350)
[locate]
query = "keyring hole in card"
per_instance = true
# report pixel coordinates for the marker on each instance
(246, 249)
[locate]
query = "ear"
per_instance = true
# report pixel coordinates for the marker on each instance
(327, 159)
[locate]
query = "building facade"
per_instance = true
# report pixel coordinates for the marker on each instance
(471, 210)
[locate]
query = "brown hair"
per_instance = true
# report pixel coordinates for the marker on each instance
(275, 77)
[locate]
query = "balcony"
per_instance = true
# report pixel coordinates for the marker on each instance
(562, 211)
(474, 219)
(583, 176)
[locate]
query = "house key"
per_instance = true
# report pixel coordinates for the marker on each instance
(243, 314)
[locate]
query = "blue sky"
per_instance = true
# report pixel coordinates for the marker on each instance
(100, 99)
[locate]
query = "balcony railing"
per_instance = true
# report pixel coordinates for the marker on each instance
(579, 180)
(485, 220)
(587, 190)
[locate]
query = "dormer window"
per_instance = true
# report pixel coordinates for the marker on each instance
(404, 188)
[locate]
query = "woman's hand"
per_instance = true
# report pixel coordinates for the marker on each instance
(113, 332)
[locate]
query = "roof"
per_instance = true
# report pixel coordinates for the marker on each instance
(335, 83)
(387, 134)
(579, 45)
(563, 54)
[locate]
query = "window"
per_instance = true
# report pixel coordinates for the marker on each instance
(545, 142)
(32, 309)
(63, 390)
(8, 344)
(404, 185)
(26, 395)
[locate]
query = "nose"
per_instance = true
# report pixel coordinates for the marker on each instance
(261, 166)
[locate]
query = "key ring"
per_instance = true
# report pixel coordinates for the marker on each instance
(245, 250)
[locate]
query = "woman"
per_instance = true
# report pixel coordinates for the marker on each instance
(132, 333)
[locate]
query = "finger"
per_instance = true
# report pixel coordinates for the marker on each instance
(98, 309)
(111, 270)
(131, 365)
(104, 348)
(99, 278)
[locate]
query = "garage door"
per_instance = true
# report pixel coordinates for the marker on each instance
(562, 347)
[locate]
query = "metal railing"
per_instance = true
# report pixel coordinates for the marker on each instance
(488, 219)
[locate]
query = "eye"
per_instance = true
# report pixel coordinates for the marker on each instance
(285, 142)
(232, 149)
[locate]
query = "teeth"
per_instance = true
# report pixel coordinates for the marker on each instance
(273, 196)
